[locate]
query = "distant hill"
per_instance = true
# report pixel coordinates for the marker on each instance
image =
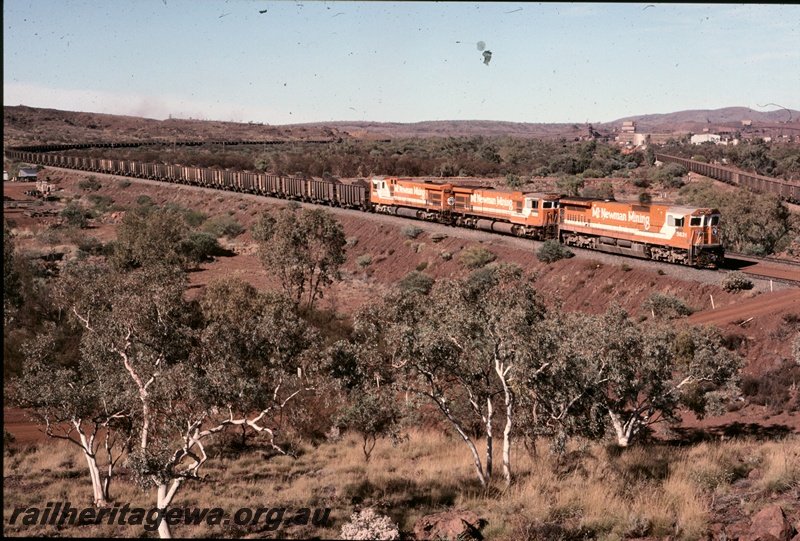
(30, 125)
(777, 122)
(717, 116)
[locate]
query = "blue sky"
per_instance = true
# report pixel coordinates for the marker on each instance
(320, 61)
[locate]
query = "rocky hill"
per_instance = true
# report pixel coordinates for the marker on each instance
(31, 125)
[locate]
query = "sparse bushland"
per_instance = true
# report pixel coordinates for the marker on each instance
(407, 494)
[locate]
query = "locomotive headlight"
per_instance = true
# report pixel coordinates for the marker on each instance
(714, 231)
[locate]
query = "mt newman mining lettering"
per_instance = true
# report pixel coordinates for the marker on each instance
(631, 216)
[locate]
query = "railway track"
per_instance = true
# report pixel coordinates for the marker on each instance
(765, 268)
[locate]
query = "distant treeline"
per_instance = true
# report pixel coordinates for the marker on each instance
(475, 156)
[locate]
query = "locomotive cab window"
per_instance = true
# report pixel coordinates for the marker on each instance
(534, 203)
(675, 222)
(696, 220)
(547, 205)
(712, 220)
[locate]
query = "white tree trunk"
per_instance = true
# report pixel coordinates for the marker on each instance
(624, 431)
(489, 443)
(507, 441)
(99, 495)
(165, 496)
(502, 372)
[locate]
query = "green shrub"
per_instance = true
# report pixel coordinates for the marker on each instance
(124, 183)
(417, 281)
(145, 201)
(438, 237)
(411, 231)
(736, 281)
(570, 185)
(476, 257)
(198, 247)
(101, 202)
(89, 185)
(194, 218)
(90, 245)
(223, 225)
(514, 181)
(666, 306)
(364, 261)
(76, 215)
(552, 251)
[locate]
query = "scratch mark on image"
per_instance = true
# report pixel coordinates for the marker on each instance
(514, 10)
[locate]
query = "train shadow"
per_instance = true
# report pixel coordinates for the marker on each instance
(738, 264)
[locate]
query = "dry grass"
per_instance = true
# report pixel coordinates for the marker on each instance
(592, 491)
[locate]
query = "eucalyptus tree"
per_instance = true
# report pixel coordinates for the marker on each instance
(85, 404)
(557, 394)
(304, 250)
(491, 318)
(85, 401)
(459, 347)
(650, 369)
(185, 373)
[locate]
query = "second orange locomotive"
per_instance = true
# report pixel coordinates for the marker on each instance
(532, 215)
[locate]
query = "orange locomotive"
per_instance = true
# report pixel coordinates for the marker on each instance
(532, 215)
(685, 235)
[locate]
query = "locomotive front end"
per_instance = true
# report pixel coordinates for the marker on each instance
(706, 238)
